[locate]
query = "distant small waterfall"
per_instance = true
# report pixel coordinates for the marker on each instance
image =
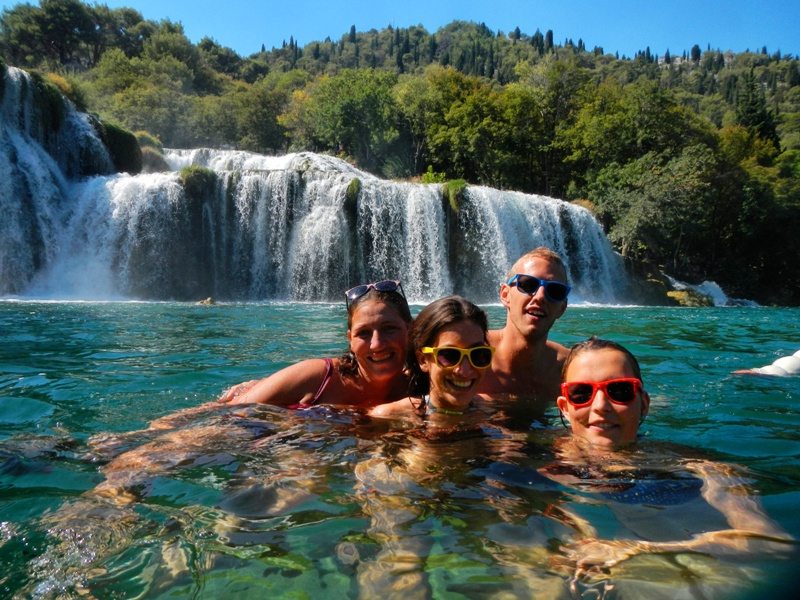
(296, 227)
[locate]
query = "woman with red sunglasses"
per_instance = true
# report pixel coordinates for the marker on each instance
(603, 400)
(602, 397)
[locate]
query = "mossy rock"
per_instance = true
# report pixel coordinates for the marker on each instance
(197, 181)
(353, 190)
(123, 147)
(49, 101)
(68, 89)
(153, 161)
(453, 191)
(148, 140)
(690, 298)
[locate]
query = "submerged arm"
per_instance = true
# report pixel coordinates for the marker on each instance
(751, 530)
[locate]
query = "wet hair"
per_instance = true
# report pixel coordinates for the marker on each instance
(595, 343)
(429, 322)
(348, 366)
(543, 253)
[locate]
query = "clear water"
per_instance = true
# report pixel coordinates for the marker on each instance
(269, 503)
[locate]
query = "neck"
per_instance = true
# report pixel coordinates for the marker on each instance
(511, 348)
(432, 406)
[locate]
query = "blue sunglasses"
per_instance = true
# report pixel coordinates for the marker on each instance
(555, 291)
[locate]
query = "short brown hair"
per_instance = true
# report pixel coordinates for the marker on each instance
(542, 252)
(596, 343)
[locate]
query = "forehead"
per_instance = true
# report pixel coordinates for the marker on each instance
(540, 267)
(462, 333)
(599, 365)
(374, 311)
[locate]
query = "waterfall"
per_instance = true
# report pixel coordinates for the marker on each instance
(44, 144)
(296, 227)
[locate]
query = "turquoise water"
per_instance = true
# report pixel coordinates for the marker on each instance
(267, 502)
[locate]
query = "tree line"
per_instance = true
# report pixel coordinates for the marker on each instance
(690, 161)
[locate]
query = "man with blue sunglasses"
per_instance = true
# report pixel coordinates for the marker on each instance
(526, 368)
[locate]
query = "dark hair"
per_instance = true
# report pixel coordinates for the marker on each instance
(429, 322)
(348, 366)
(596, 343)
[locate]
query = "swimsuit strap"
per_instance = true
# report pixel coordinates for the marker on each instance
(325, 380)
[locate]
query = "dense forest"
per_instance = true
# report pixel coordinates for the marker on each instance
(690, 160)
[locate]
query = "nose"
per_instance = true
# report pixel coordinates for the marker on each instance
(464, 367)
(376, 341)
(539, 294)
(600, 402)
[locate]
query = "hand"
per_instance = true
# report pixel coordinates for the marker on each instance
(237, 390)
(594, 556)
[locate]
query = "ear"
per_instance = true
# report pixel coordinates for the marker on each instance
(505, 291)
(422, 361)
(645, 403)
(563, 310)
(563, 406)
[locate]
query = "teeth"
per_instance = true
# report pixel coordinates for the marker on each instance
(460, 383)
(380, 357)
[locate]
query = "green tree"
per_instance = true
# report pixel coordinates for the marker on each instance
(751, 110)
(351, 112)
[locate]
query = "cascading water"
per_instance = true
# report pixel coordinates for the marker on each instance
(295, 227)
(44, 143)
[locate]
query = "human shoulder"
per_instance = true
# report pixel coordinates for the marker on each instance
(403, 408)
(290, 385)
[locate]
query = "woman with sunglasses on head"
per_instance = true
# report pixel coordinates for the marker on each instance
(372, 371)
(604, 402)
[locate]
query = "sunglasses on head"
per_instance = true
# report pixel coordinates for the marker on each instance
(449, 357)
(387, 285)
(555, 291)
(620, 391)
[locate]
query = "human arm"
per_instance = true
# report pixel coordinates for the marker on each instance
(750, 530)
(295, 384)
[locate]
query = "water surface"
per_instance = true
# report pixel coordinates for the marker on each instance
(266, 501)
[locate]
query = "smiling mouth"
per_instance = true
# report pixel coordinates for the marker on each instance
(382, 357)
(603, 425)
(461, 384)
(535, 312)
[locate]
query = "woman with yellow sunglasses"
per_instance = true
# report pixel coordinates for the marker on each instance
(448, 341)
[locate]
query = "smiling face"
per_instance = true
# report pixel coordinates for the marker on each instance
(603, 423)
(378, 338)
(454, 388)
(533, 316)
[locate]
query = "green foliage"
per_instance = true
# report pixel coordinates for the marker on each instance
(430, 176)
(148, 140)
(353, 190)
(453, 191)
(49, 102)
(123, 147)
(197, 182)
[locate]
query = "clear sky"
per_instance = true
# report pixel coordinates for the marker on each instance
(624, 26)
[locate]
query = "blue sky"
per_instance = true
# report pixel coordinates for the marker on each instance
(623, 26)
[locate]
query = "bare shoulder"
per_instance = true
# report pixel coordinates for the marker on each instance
(559, 350)
(405, 407)
(290, 385)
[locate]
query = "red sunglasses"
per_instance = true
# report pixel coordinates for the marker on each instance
(620, 391)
